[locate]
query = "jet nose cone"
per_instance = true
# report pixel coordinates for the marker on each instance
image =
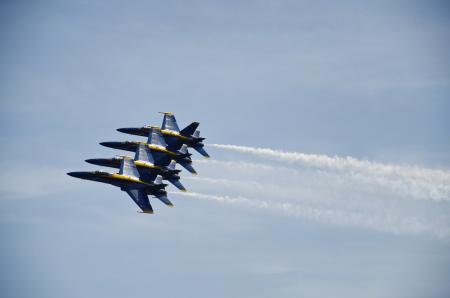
(76, 174)
(110, 144)
(122, 130)
(95, 161)
(127, 145)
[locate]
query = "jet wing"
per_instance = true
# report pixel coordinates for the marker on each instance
(148, 175)
(161, 159)
(141, 199)
(173, 143)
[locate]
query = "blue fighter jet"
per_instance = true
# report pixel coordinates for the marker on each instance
(174, 137)
(159, 148)
(128, 179)
(147, 166)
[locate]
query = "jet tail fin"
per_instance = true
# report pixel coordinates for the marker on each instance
(190, 129)
(165, 200)
(155, 137)
(184, 149)
(196, 134)
(144, 154)
(172, 165)
(169, 122)
(158, 180)
(127, 167)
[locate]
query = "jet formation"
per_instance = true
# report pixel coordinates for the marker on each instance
(154, 161)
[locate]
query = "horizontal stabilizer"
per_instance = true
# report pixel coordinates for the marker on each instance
(190, 129)
(165, 200)
(177, 184)
(201, 150)
(188, 167)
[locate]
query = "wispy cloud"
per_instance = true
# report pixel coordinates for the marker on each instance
(30, 181)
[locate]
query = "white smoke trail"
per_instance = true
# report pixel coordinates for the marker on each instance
(333, 190)
(381, 185)
(344, 201)
(343, 163)
(433, 184)
(381, 223)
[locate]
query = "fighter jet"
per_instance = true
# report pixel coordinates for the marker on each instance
(129, 181)
(146, 165)
(172, 134)
(158, 147)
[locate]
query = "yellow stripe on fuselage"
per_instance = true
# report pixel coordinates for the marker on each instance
(127, 178)
(144, 164)
(161, 149)
(173, 134)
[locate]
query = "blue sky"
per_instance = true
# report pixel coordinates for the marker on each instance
(366, 80)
